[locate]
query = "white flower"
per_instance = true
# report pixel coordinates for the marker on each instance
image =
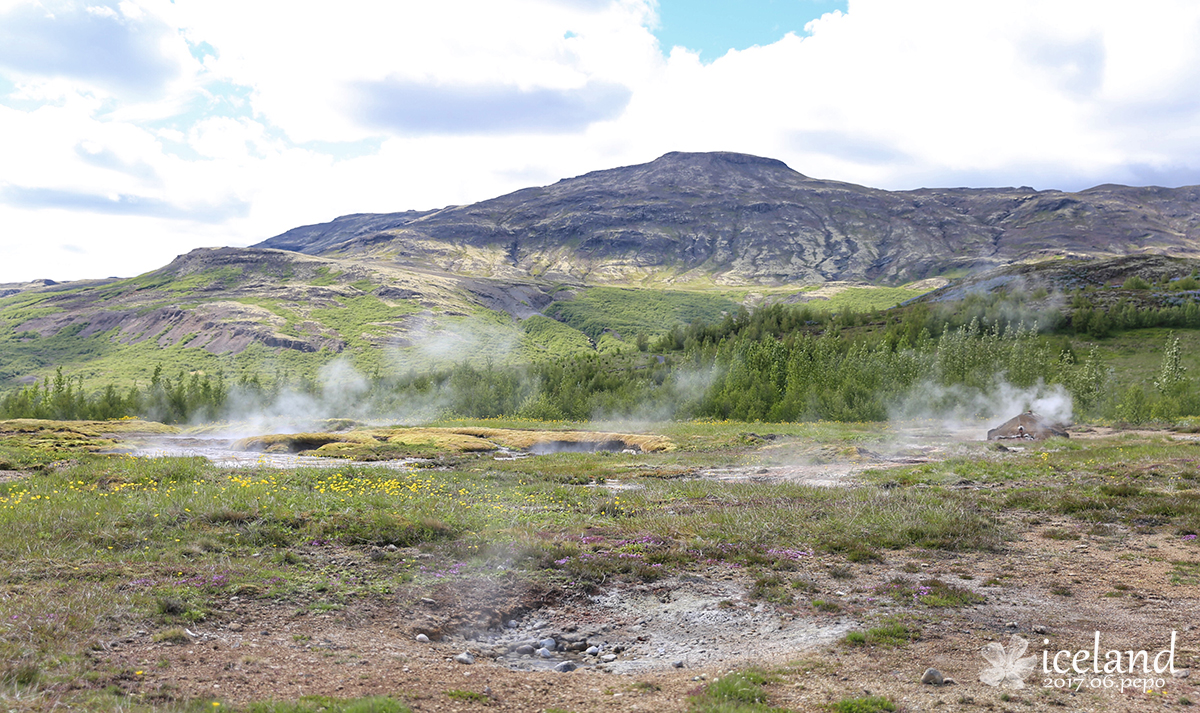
(1008, 668)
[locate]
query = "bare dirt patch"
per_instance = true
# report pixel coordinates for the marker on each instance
(10, 475)
(1129, 587)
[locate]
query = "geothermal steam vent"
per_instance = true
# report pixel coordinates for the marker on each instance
(1028, 426)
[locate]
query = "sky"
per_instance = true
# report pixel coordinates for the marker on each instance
(132, 131)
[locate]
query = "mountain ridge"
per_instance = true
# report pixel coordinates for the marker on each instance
(736, 219)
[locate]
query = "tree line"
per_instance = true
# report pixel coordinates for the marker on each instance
(778, 363)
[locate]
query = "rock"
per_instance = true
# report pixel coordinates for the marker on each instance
(549, 644)
(465, 658)
(677, 664)
(608, 658)
(235, 626)
(570, 224)
(512, 624)
(1011, 625)
(431, 629)
(933, 677)
(524, 650)
(540, 624)
(391, 548)
(565, 667)
(1182, 673)
(428, 602)
(1039, 629)
(545, 653)
(577, 646)
(592, 650)
(423, 638)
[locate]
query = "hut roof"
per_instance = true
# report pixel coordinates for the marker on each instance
(1027, 426)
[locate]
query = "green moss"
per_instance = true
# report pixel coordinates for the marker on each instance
(277, 307)
(362, 322)
(868, 704)
(210, 279)
(630, 312)
(866, 299)
(888, 633)
(609, 343)
(547, 338)
(323, 277)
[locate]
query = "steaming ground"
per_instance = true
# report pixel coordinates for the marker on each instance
(658, 642)
(901, 443)
(221, 452)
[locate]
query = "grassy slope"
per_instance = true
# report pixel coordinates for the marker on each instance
(1135, 357)
(363, 321)
(630, 312)
(652, 312)
(604, 319)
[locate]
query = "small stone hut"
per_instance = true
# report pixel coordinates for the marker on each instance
(1028, 426)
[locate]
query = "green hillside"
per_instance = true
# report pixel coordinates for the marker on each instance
(261, 313)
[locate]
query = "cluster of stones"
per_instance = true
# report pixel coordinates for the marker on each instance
(571, 649)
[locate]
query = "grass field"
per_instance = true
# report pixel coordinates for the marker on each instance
(99, 545)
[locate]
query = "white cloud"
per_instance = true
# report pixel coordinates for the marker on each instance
(235, 140)
(126, 54)
(156, 148)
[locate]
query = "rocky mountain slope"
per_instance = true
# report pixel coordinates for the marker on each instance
(734, 219)
(586, 264)
(245, 309)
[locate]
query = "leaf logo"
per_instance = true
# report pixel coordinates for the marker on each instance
(1008, 668)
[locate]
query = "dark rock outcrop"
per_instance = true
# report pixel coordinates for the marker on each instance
(740, 219)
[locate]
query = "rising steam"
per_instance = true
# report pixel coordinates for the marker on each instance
(960, 407)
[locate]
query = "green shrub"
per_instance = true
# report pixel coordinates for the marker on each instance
(869, 704)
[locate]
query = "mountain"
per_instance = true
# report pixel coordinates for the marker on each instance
(733, 219)
(584, 265)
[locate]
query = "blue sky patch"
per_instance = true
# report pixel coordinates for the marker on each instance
(713, 27)
(344, 150)
(201, 49)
